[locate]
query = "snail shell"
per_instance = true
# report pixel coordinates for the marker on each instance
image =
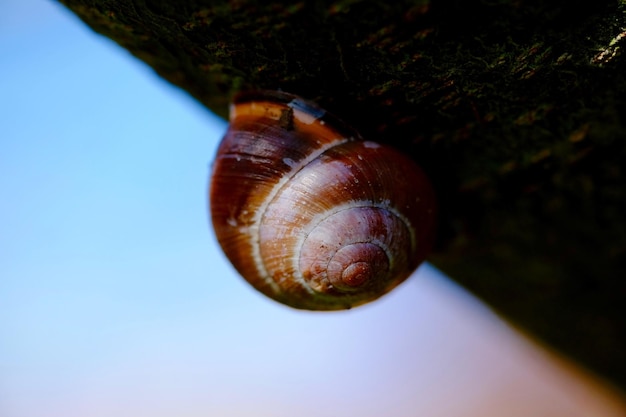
(311, 214)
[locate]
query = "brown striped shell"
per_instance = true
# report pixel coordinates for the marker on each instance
(311, 214)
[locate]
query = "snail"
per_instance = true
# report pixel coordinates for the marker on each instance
(311, 214)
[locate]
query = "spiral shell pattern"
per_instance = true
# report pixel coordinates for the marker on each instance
(311, 214)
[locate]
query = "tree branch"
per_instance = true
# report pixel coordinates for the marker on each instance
(515, 109)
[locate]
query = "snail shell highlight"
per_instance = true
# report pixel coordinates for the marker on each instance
(311, 214)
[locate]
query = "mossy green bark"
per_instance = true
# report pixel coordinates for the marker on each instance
(516, 109)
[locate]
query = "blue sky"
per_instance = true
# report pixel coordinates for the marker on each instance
(115, 299)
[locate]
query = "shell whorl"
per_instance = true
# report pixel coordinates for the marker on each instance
(310, 213)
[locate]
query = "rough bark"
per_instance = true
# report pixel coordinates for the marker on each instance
(515, 108)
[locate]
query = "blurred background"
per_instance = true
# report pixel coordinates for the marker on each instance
(115, 299)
